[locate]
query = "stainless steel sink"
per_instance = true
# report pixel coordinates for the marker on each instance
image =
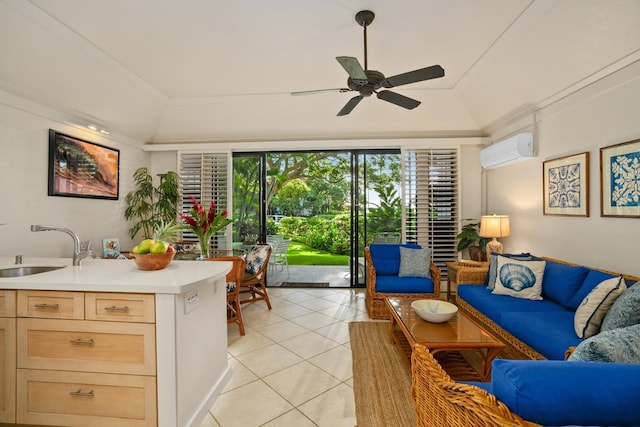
(26, 270)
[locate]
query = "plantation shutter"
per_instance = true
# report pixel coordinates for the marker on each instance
(431, 206)
(205, 176)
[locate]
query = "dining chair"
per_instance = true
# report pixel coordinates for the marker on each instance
(279, 255)
(255, 274)
(234, 278)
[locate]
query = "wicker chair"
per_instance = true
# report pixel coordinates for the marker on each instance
(234, 278)
(255, 275)
(440, 401)
(374, 300)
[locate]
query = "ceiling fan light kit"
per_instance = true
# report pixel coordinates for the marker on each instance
(367, 82)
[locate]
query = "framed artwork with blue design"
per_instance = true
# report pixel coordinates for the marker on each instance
(620, 180)
(566, 185)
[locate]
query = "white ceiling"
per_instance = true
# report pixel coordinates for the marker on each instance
(214, 70)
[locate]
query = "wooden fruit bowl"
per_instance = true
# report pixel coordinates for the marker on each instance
(153, 261)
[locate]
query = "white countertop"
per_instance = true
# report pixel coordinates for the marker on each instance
(111, 275)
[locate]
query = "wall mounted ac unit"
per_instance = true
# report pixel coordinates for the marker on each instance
(506, 152)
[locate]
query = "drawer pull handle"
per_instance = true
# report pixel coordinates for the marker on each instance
(113, 308)
(49, 306)
(82, 341)
(81, 393)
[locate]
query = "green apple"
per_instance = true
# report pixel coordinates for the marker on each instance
(135, 250)
(145, 246)
(159, 247)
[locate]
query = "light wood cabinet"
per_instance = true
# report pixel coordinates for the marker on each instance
(116, 307)
(7, 356)
(85, 358)
(85, 399)
(51, 304)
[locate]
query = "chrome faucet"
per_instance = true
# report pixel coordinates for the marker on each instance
(77, 255)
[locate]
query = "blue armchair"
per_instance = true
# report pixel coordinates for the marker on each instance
(384, 278)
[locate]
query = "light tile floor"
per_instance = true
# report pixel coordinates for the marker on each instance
(293, 366)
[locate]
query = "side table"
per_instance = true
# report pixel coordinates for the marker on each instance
(472, 272)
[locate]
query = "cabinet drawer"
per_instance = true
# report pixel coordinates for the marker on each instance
(120, 307)
(91, 346)
(51, 304)
(7, 303)
(85, 399)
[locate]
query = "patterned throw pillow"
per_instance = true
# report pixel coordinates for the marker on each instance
(255, 258)
(490, 279)
(520, 279)
(625, 311)
(621, 345)
(594, 306)
(415, 262)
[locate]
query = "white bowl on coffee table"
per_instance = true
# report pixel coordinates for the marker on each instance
(433, 310)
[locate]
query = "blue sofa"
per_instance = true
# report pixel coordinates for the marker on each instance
(385, 278)
(585, 390)
(536, 329)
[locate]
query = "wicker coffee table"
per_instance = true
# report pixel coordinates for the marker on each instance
(444, 340)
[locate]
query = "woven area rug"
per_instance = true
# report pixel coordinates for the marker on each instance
(381, 378)
(304, 285)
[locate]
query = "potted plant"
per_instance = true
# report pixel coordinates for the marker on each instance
(153, 208)
(469, 239)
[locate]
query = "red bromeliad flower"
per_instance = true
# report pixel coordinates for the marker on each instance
(204, 224)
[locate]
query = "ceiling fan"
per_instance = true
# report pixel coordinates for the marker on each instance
(367, 82)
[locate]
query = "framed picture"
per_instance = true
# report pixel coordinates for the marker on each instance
(619, 178)
(79, 168)
(566, 185)
(110, 247)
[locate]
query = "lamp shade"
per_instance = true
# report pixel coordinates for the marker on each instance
(494, 226)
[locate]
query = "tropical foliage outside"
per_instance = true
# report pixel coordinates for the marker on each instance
(310, 195)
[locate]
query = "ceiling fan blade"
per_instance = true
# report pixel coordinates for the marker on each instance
(433, 72)
(350, 105)
(396, 98)
(313, 92)
(353, 67)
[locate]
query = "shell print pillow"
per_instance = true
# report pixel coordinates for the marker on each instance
(519, 279)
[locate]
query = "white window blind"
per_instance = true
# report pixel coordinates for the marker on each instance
(431, 201)
(205, 176)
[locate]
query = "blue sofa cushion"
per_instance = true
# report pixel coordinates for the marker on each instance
(550, 333)
(386, 257)
(414, 262)
(493, 306)
(593, 279)
(403, 285)
(620, 345)
(625, 311)
(561, 281)
(555, 393)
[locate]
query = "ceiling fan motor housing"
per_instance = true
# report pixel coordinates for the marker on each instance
(375, 79)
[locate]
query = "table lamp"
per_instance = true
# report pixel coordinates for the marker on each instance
(494, 226)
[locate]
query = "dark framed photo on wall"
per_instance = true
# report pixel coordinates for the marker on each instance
(79, 168)
(620, 180)
(566, 185)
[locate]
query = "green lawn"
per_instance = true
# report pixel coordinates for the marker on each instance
(300, 254)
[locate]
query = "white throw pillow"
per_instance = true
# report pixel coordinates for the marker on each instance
(519, 279)
(594, 306)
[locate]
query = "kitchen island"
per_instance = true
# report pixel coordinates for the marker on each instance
(153, 342)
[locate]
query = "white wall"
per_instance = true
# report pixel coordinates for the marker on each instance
(598, 116)
(24, 147)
